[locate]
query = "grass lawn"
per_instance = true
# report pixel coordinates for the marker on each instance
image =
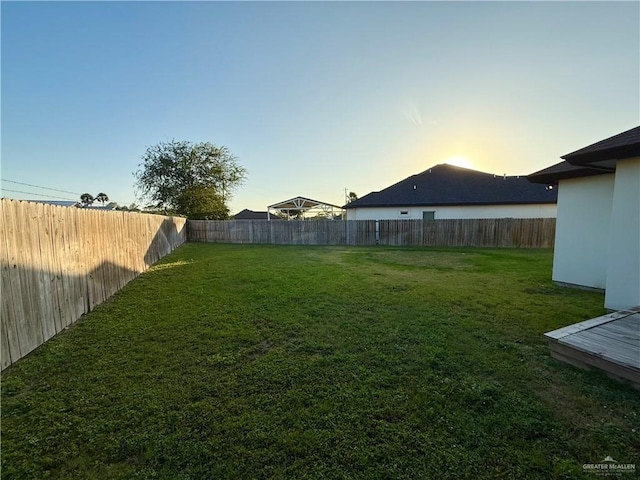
(248, 361)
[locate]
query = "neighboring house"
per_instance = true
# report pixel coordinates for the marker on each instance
(59, 203)
(247, 214)
(597, 240)
(108, 208)
(65, 203)
(446, 191)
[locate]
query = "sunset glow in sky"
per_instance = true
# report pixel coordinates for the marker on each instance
(312, 97)
(460, 161)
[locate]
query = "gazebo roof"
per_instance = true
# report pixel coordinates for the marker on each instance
(301, 203)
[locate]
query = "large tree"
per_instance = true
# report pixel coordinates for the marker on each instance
(191, 179)
(202, 203)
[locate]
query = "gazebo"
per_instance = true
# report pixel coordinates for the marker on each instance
(299, 207)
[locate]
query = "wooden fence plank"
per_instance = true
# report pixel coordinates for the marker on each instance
(50, 247)
(28, 326)
(8, 282)
(48, 294)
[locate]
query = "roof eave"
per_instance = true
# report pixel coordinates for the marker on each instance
(555, 177)
(618, 153)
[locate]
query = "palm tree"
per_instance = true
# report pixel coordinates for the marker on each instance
(86, 199)
(102, 198)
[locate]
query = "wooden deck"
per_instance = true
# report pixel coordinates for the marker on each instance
(610, 343)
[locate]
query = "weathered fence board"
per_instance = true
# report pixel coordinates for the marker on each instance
(57, 263)
(498, 232)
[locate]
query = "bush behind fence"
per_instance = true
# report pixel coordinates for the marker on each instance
(57, 263)
(492, 232)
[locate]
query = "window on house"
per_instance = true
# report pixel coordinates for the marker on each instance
(429, 215)
(404, 212)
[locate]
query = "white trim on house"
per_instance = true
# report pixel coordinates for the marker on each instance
(453, 212)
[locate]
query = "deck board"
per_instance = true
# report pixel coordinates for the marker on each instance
(609, 332)
(631, 328)
(605, 347)
(610, 342)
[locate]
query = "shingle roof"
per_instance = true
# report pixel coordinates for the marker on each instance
(247, 214)
(447, 185)
(59, 203)
(623, 145)
(563, 170)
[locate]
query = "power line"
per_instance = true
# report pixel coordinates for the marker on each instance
(38, 186)
(45, 188)
(31, 193)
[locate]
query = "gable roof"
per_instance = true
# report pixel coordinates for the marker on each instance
(247, 214)
(623, 145)
(447, 185)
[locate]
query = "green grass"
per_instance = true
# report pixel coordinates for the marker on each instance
(232, 361)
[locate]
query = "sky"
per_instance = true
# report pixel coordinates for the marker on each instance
(313, 98)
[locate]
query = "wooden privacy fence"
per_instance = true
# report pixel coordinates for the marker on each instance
(57, 263)
(498, 232)
(330, 232)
